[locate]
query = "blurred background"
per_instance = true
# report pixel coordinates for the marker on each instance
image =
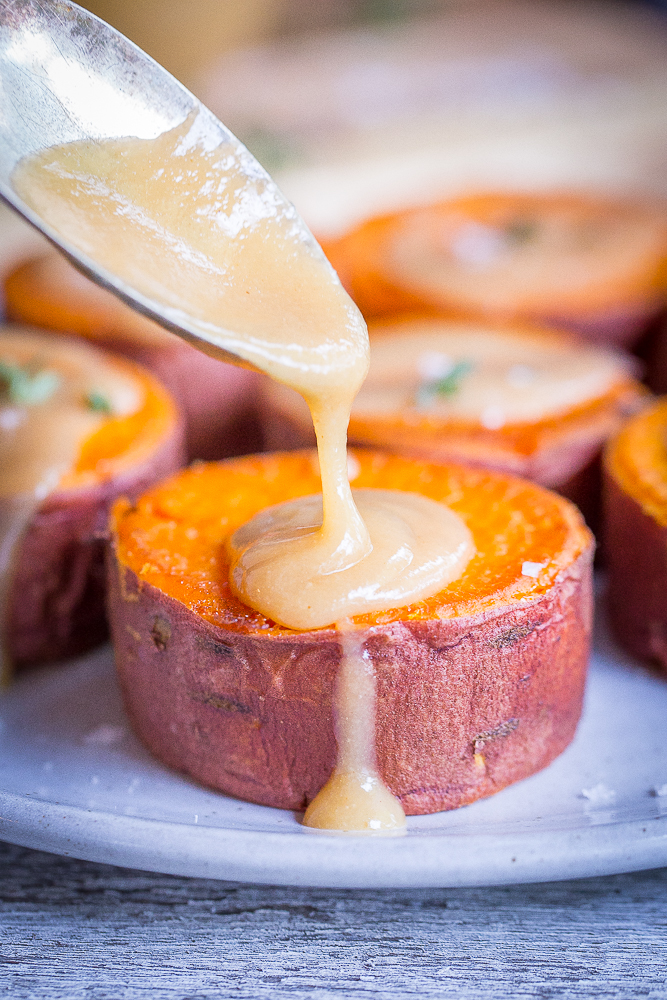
(358, 107)
(363, 106)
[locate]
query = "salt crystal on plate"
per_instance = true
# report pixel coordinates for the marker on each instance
(104, 736)
(599, 795)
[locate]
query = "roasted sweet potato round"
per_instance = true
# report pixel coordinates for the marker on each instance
(217, 399)
(55, 605)
(595, 266)
(531, 402)
(635, 508)
(477, 687)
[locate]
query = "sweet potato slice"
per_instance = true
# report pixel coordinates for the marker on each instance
(478, 687)
(557, 445)
(217, 399)
(595, 266)
(56, 606)
(635, 508)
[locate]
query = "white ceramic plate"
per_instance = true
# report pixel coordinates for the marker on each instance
(74, 780)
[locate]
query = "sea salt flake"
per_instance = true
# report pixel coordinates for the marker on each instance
(520, 376)
(104, 736)
(434, 365)
(599, 795)
(477, 245)
(10, 418)
(492, 417)
(532, 569)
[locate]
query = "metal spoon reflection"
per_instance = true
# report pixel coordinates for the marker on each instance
(65, 75)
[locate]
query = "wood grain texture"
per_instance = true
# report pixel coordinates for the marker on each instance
(71, 929)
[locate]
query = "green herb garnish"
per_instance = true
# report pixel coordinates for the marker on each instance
(99, 403)
(24, 387)
(521, 231)
(383, 11)
(447, 385)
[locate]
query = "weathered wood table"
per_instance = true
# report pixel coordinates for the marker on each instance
(72, 929)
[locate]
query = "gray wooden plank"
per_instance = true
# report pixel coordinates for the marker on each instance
(73, 929)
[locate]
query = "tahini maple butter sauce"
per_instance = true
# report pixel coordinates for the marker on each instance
(206, 233)
(54, 393)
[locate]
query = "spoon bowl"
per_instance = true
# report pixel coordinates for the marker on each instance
(66, 75)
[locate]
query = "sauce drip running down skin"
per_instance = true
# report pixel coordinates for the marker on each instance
(41, 432)
(354, 798)
(207, 234)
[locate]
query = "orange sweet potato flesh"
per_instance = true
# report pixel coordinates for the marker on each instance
(607, 311)
(216, 398)
(478, 686)
(635, 507)
(58, 588)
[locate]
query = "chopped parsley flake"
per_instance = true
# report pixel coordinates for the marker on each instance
(521, 231)
(447, 385)
(25, 388)
(99, 403)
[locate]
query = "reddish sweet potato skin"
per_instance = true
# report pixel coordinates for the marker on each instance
(636, 549)
(57, 600)
(464, 706)
(654, 352)
(620, 327)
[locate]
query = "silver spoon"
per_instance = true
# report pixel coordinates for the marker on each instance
(66, 75)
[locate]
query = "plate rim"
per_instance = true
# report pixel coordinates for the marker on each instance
(329, 861)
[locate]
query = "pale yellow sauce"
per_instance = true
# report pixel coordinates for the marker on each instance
(40, 440)
(203, 232)
(511, 378)
(418, 547)
(355, 799)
